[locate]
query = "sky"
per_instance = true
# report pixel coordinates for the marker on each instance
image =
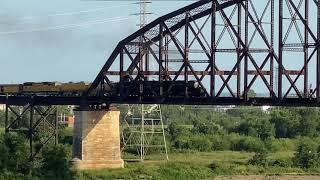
(45, 40)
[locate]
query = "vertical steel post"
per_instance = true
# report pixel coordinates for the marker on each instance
(239, 52)
(280, 49)
(318, 52)
(141, 66)
(213, 50)
(186, 53)
(272, 48)
(306, 48)
(31, 130)
(166, 57)
(56, 127)
(121, 72)
(246, 50)
(160, 59)
(7, 118)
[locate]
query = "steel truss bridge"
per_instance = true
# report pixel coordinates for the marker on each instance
(225, 47)
(211, 52)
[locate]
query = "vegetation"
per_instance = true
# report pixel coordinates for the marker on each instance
(203, 143)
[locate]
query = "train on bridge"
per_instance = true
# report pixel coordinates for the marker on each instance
(45, 88)
(130, 87)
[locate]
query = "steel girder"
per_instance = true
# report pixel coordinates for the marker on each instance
(38, 123)
(227, 47)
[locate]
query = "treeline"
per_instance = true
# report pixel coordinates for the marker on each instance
(248, 129)
(52, 163)
(277, 123)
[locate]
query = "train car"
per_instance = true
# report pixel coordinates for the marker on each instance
(11, 88)
(41, 87)
(74, 87)
(151, 88)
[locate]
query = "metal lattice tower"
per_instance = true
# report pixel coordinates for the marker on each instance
(143, 13)
(143, 130)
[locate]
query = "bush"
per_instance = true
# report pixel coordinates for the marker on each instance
(220, 143)
(260, 158)
(55, 162)
(66, 136)
(200, 143)
(182, 142)
(282, 163)
(306, 155)
(249, 144)
(281, 145)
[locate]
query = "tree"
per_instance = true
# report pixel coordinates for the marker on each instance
(55, 162)
(207, 127)
(257, 127)
(306, 155)
(14, 154)
(176, 130)
(286, 122)
(308, 122)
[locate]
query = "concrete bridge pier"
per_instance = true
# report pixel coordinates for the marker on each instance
(96, 141)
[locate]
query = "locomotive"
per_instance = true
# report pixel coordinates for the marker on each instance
(45, 88)
(151, 88)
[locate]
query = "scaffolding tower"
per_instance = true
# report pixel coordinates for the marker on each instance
(143, 131)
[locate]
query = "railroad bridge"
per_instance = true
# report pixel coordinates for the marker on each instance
(211, 52)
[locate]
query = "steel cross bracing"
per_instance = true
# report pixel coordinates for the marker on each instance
(38, 123)
(217, 52)
(212, 52)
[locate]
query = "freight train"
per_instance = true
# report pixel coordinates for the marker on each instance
(130, 88)
(45, 88)
(151, 88)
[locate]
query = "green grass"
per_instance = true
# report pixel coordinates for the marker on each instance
(195, 165)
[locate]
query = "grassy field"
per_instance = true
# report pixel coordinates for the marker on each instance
(196, 165)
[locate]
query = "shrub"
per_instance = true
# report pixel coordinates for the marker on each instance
(66, 136)
(306, 155)
(249, 144)
(220, 143)
(55, 162)
(182, 142)
(200, 143)
(282, 163)
(281, 145)
(213, 166)
(260, 158)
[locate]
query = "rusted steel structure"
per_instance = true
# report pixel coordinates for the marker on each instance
(38, 123)
(211, 52)
(225, 48)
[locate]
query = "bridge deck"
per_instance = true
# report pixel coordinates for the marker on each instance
(78, 100)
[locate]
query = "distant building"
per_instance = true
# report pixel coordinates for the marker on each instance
(66, 120)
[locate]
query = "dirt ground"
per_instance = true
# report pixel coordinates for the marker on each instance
(282, 177)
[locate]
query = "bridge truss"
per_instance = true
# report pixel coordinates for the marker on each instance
(225, 49)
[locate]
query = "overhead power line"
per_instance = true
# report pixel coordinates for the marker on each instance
(68, 26)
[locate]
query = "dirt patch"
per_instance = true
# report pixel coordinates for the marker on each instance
(280, 177)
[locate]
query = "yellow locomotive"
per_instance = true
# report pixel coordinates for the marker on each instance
(45, 88)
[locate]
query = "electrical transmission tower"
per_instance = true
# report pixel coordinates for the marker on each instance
(143, 131)
(142, 126)
(143, 13)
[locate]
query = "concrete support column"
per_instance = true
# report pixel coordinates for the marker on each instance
(96, 141)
